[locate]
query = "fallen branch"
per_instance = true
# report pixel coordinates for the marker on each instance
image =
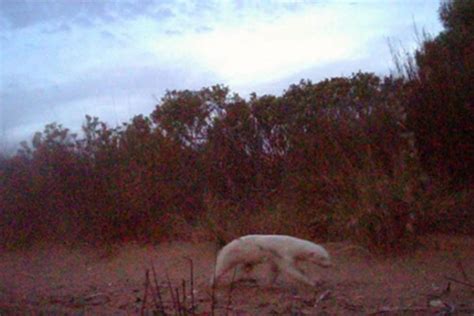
(398, 310)
(97, 299)
(460, 282)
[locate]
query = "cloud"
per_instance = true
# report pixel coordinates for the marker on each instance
(60, 28)
(107, 58)
(260, 45)
(173, 32)
(20, 14)
(112, 94)
(368, 63)
(108, 35)
(202, 29)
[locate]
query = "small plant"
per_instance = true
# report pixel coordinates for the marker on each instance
(182, 297)
(178, 294)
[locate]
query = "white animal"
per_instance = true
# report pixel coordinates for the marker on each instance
(282, 252)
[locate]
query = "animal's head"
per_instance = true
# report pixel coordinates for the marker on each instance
(320, 257)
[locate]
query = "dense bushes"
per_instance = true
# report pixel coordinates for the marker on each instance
(441, 108)
(327, 160)
(372, 159)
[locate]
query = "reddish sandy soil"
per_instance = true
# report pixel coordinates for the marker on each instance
(86, 281)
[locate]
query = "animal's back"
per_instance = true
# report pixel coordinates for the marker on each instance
(241, 248)
(275, 240)
(284, 243)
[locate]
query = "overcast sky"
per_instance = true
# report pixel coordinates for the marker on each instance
(60, 60)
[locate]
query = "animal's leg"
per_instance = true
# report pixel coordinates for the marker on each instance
(221, 270)
(274, 272)
(288, 266)
(297, 267)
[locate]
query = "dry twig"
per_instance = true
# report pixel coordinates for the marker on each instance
(191, 267)
(159, 305)
(145, 295)
(173, 298)
(178, 302)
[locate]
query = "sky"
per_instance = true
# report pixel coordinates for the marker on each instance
(61, 60)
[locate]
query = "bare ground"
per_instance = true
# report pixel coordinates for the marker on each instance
(437, 279)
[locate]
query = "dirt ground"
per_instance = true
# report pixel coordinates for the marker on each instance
(436, 280)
